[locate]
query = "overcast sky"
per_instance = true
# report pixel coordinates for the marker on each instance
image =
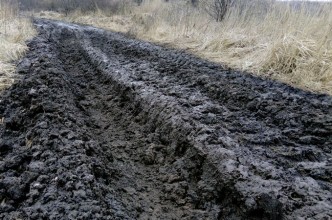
(309, 0)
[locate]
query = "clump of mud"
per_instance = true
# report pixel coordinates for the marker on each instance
(105, 127)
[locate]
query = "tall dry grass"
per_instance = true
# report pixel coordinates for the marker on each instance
(290, 42)
(14, 31)
(286, 41)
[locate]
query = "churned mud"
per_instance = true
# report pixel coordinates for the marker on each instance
(106, 127)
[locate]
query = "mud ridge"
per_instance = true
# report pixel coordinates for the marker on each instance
(106, 127)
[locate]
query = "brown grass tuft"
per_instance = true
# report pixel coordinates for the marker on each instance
(14, 31)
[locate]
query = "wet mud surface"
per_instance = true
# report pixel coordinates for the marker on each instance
(106, 127)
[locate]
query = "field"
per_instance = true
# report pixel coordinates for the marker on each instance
(286, 41)
(289, 42)
(180, 110)
(103, 126)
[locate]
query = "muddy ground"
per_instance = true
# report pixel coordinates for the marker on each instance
(106, 127)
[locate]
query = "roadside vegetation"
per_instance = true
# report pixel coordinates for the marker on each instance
(287, 41)
(14, 31)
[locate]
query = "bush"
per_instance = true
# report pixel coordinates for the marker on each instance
(216, 8)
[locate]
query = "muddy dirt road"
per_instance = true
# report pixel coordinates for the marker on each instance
(106, 127)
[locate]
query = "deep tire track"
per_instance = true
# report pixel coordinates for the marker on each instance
(106, 127)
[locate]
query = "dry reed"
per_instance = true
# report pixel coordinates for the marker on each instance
(14, 31)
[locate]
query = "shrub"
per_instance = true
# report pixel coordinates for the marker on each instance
(216, 8)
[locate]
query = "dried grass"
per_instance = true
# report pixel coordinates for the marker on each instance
(14, 31)
(273, 39)
(288, 42)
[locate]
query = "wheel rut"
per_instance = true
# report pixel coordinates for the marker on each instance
(102, 126)
(138, 183)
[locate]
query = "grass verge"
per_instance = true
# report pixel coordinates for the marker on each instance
(14, 31)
